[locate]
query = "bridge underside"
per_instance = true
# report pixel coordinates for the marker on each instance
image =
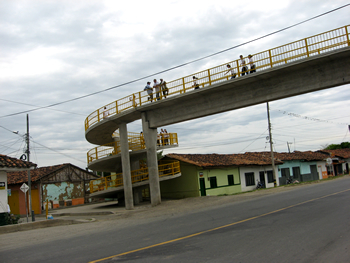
(113, 163)
(319, 72)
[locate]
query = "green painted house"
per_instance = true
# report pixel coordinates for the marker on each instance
(211, 174)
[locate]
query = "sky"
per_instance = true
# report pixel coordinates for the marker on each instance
(55, 51)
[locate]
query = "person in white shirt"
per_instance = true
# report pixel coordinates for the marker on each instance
(233, 73)
(244, 66)
(195, 84)
(156, 87)
(252, 65)
(105, 113)
(149, 90)
(164, 88)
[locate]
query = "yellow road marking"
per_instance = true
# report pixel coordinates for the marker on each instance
(216, 228)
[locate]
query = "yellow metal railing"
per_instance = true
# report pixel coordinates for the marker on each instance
(165, 169)
(281, 55)
(136, 143)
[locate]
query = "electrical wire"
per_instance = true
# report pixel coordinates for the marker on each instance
(178, 66)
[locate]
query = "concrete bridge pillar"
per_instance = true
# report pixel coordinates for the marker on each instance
(124, 147)
(150, 136)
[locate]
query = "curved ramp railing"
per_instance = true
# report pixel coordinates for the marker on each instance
(112, 181)
(136, 143)
(303, 48)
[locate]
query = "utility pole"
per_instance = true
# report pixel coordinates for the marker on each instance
(29, 179)
(271, 147)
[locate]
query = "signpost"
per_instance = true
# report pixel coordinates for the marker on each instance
(24, 189)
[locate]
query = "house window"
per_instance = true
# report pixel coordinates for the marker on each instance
(230, 179)
(270, 176)
(296, 172)
(249, 179)
(213, 183)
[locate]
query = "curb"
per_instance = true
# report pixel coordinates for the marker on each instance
(36, 225)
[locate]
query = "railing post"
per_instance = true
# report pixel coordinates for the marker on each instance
(238, 71)
(133, 100)
(270, 58)
(347, 35)
(116, 107)
(209, 77)
(91, 187)
(96, 157)
(183, 84)
(307, 47)
(98, 115)
(140, 97)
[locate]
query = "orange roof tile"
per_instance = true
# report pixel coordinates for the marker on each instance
(217, 160)
(36, 174)
(10, 162)
(296, 155)
(342, 153)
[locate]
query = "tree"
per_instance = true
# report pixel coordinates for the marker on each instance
(343, 145)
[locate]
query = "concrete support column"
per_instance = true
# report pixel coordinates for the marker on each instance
(124, 145)
(150, 136)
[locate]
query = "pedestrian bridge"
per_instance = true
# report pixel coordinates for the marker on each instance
(310, 64)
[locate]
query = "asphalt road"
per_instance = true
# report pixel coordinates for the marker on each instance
(304, 224)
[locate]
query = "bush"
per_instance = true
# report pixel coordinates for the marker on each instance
(12, 219)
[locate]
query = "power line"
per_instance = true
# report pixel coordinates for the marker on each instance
(178, 66)
(40, 107)
(309, 118)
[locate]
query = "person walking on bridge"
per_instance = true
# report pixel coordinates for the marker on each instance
(233, 73)
(195, 84)
(252, 65)
(244, 66)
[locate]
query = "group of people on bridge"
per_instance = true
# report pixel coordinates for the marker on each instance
(244, 66)
(159, 88)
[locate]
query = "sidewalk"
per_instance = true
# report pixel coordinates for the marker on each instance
(67, 216)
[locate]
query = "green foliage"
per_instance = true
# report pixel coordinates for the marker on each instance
(160, 155)
(343, 145)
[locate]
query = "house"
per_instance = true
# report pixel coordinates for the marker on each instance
(301, 166)
(8, 164)
(62, 185)
(218, 174)
(340, 161)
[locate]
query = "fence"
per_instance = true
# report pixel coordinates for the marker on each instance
(111, 181)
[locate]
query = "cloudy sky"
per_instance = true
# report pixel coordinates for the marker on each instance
(55, 51)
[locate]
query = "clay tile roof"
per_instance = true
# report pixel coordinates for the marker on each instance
(342, 153)
(14, 163)
(36, 174)
(219, 160)
(306, 156)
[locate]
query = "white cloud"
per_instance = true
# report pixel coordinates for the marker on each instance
(54, 51)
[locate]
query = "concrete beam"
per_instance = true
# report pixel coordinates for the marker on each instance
(124, 145)
(150, 136)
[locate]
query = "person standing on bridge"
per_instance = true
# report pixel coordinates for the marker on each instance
(149, 90)
(156, 87)
(163, 87)
(252, 65)
(233, 73)
(195, 84)
(244, 66)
